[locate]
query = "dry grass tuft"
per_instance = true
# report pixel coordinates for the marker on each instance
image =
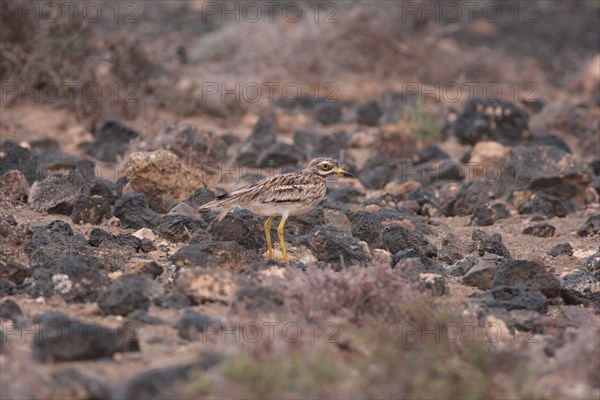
(388, 341)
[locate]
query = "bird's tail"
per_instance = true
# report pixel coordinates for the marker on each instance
(218, 202)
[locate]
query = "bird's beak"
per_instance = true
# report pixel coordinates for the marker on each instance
(341, 172)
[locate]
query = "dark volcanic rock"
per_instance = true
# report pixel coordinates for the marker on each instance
(147, 246)
(47, 144)
(179, 228)
(50, 317)
(227, 255)
(473, 195)
(191, 324)
(548, 140)
(411, 263)
(548, 169)
(186, 210)
(368, 113)
(58, 163)
(13, 271)
(344, 195)
(561, 249)
(126, 294)
(544, 204)
(90, 209)
(139, 266)
(378, 171)
(540, 230)
(451, 250)
(61, 339)
(500, 211)
(280, 154)
(11, 233)
(592, 264)
(331, 245)
(525, 273)
(7, 288)
(101, 238)
(486, 215)
(14, 186)
(37, 164)
(200, 147)
(397, 238)
(461, 267)
(74, 278)
(321, 144)
(595, 184)
(50, 242)
(105, 188)
(15, 157)
(175, 299)
(300, 224)
(10, 310)
(239, 226)
(481, 274)
(262, 136)
(57, 193)
(515, 298)
(533, 105)
(580, 287)
(200, 197)
(438, 170)
(132, 209)
(487, 119)
(116, 250)
(328, 113)
(430, 153)
(394, 214)
(198, 237)
(525, 321)
(595, 166)
(490, 244)
(483, 216)
(254, 300)
(426, 199)
(146, 319)
(163, 383)
(478, 235)
(366, 226)
(590, 227)
(493, 246)
(73, 383)
(112, 140)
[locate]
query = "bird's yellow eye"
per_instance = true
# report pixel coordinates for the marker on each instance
(325, 166)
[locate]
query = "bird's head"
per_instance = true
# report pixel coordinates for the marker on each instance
(325, 167)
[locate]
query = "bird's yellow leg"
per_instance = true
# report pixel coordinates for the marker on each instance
(281, 241)
(268, 235)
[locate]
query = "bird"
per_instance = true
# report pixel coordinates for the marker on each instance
(282, 195)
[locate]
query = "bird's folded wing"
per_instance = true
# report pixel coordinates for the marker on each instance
(286, 193)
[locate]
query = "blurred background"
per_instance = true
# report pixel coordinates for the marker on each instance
(220, 64)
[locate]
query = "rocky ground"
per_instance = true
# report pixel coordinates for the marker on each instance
(127, 280)
(462, 260)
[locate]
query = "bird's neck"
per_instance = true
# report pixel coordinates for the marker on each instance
(314, 174)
